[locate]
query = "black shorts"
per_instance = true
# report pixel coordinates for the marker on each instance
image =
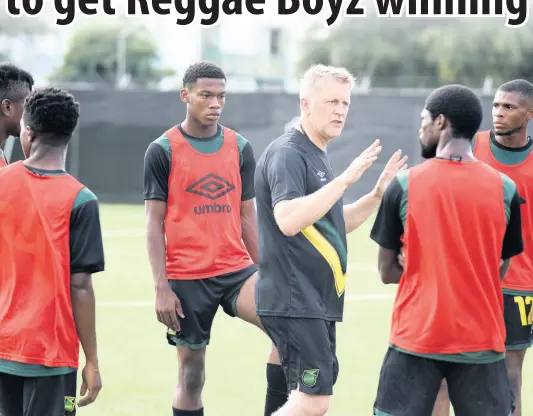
(200, 300)
(307, 351)
(38, 396)
(408, 386)
(518, 322)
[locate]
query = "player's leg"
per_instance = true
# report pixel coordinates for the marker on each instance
(514, 362)
(518, 340)
(200, 300)
(408, 385)
(442, 404)
(239, 300)
(11, 394)
(307, 352)
(480, 389)
(50, 396)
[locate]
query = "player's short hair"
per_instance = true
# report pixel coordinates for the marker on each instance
(203, 69)
(521, 86)
(461, 107)
(318, 72)
(14, 82)
(52, 113)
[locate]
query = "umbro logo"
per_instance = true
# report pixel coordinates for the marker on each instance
(321, 175)
(211, 186)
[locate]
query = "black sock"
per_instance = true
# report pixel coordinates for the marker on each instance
(276, 389)
(176, 412)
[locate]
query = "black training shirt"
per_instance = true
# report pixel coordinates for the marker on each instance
(298, 274)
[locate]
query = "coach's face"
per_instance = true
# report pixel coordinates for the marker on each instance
(205, 100)
(510, 112)
(328, 107)
(429, 134)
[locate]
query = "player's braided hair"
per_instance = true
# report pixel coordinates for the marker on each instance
(202, 69)
(461, 107)
(521, 86)
(14, 82)
(52, 113)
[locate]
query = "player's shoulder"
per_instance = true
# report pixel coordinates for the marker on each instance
(509, 185)
(480, 135)
(242, 142)
(402, 179)
(162, 141)
(84, 196)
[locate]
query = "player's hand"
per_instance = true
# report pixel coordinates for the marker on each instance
(395, 164)
(361, 163)
(401, 258)
(168, 308)
(91, 384)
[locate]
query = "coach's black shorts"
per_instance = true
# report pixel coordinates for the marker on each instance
(408, 386)
(200, 300)
(307, 351)
(38, 396)
(518, 323)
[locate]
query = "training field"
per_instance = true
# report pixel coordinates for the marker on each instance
(139, 368)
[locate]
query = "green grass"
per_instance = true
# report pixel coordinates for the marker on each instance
(139, 368)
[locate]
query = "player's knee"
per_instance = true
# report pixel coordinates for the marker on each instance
(192, 376)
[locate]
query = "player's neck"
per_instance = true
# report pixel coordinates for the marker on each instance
(3, 136)
(516, 140)
(455, 147)
(195, 129)
(47, 158)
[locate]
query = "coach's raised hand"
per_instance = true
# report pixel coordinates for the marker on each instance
(395, 164)
(361, 163)
(357, 213)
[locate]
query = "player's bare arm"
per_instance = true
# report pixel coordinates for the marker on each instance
(168, 306)
(292, 216)
(390, 270)
(504, 268)
(388, 229)
(513, 242)
(249, 229)
(83, 306)
(357, 213)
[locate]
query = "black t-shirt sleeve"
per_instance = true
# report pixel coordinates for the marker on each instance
(286, 174)
(86, 246)
(247, 172)
(156, 172)
(513, 244)
(388, 226)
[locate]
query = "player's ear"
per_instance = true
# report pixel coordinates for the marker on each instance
(7, 108)
(530, 114)
(440, 122)
(31, 134)
(184, 95)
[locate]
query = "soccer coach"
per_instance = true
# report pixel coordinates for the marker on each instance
(302, 237)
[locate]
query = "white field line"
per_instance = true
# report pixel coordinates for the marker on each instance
(348, 298)
(149, 304)
(140, 232)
